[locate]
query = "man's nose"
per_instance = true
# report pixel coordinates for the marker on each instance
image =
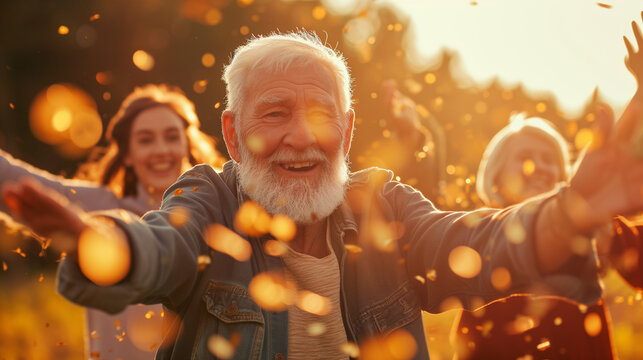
(300, 134)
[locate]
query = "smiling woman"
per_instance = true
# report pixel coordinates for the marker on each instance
(153, 138)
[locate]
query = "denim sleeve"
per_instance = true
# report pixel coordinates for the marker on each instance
(502, 238)
(85, 194)
(164, 256)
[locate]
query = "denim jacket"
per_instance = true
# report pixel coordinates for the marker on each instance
(384, 285)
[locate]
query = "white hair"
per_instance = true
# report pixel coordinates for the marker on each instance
(276, 53)
(494, 156)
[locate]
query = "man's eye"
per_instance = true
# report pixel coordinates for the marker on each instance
(276, 114)
(145, 140)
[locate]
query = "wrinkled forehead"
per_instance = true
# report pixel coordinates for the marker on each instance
(308, 76)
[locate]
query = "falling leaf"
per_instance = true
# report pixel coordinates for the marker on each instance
(178, 192)
(19, 252)
(353, 248)
(203, 261)
(603, 5)
(224, 240)
(465, 262)
(94, 17)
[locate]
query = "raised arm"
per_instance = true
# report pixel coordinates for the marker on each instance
(85, 194)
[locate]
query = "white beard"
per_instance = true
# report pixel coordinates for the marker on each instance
(305, 201)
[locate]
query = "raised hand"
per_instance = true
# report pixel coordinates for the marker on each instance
(402, 113)
(102, 249)
(634, 59)
(609, 178)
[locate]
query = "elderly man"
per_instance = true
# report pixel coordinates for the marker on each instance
(369, 252)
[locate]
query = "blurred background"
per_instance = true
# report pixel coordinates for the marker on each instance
(67, 65)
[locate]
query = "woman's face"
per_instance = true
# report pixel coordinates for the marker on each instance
(532, 168)
(158, 148)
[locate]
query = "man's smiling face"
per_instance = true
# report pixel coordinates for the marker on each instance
(291, 141)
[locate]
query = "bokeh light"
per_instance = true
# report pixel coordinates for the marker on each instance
(465, 262)
(224, 240)
(143, 60)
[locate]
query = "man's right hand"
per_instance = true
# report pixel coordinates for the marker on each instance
(102, 248)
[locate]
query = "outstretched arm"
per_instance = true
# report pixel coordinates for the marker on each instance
(101, 247)
(608, 181)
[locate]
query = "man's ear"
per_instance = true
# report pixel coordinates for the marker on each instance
(230, 135)
(348, 134)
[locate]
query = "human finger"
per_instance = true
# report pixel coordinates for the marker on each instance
(637, 34)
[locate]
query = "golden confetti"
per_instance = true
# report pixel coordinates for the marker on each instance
(107, 96)
(420, 278)
(350, 349)
(194, 189)
(313, 303)
(465, 262)
(544, 345)
(252, 219)
(316, 329)
(217, 105)
(178, 192)
(220, 347)
(63, 30)
(203, 261)
(224, 240)
(501, 278)
(207, 60)
(431, 275)
(94, 335)
(283, 228)
(520, 325)
(4, 266)
(319, 12)
(19, 252)
(94, 354)
(244, 30)
(353, 248)
(11, 106)
(603, 5)
(149, 314)
(558, 320)
(179, 216)
(275, 248)
(270, 291)
(143, 60)
(41, 277)
(541, 107)
(94, 17)
(593, 324)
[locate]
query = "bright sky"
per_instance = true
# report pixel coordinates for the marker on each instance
(566, 47)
